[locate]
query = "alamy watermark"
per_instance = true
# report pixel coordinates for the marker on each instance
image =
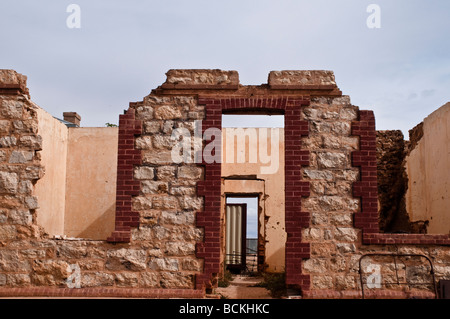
(74, 279)
(260, 145)
(374, 279)
(374, 19)
(73, 21)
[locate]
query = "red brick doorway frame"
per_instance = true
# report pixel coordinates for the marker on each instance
(210, 188)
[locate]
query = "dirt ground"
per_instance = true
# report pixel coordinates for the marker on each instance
(241, 287)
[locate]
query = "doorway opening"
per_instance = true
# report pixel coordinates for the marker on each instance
(253, 197)
(241, 234)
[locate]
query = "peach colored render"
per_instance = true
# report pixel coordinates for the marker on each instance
(76, 195)
(428, 167)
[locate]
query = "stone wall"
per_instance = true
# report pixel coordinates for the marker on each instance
(392, 182)
(36, 264)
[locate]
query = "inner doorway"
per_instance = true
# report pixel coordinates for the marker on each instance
(241, 234)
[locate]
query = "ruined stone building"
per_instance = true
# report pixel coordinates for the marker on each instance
(140, 210)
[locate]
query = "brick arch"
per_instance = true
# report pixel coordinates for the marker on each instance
(295, 188)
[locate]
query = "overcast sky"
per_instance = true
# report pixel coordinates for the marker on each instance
(124, 48)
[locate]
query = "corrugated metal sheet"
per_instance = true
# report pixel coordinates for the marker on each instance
(234, 238)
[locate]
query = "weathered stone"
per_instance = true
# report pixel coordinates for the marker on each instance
(192, 234)
(43, 280)
(300, 77)
(341, 219)
(25, 187)
(150, 279)
(160, 232)
(176, 280)
(97, 279)
(90, 264)
(144, 173)
(31, 202)
(151, 127)
(164, 142)
(8, 232)
(8, 182)
(190, 172)
(129, 259)
(3, 216)
(18, 280)
(341, 128)
(18, 157)
(167, 112)
(165, 173)
(316, 265)
(142, 234)
(20, 217)
(155, 252)
(337, 264)
(127, 279)
(11, 109)
(5, 127)
(190, 203)
(179, 248)
(161, 157)
(141, 203)
(191, 264)
(182, 191)
(30, 141)
(59, 269)
(310, 113)
(202, 77)
(350, 114)
(322, 282)
(328, 160)
(154, 187)
(144, 112)
(10, 261)
(165, 202)
(318, 174)
(8, 141)
(312, 234)
(177, 218)
(347, 234)
(72, 250)
(12, 78)
(322, 249)
(32, 173)
(144, 142)
(168, 127)
(167, 264)
(344, 282)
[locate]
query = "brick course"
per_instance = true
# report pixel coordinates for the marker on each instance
(128, 156)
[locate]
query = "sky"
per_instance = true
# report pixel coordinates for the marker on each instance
(123, 49)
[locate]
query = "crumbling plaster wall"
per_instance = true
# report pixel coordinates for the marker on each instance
(427, 165)
(51, 188)
(175, 241)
